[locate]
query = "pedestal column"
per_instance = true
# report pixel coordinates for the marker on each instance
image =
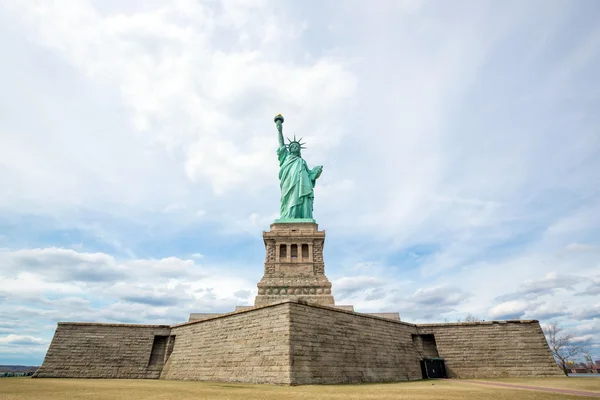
(300, 278)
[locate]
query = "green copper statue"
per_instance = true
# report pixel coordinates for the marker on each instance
(295, 179)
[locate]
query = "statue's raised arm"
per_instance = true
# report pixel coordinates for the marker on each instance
(279, 124)
(296, 180)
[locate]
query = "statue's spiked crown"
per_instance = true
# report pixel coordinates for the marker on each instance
(297, 141)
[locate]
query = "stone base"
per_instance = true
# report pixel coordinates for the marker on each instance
(324, 300)
(313, 289)
(294, 267)
(297, 343)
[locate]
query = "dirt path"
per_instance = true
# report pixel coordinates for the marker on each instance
(539, 389)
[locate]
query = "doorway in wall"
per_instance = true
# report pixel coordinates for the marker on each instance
(433, 368)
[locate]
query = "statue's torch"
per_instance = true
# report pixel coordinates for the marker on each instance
(279, 122)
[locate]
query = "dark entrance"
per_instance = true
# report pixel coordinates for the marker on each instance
(433, 368)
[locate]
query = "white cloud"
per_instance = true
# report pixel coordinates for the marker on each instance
(375, 293)
(147, 290)
(546, 311)
(18, 340)
(31, 286)
(593, 288)
(188, 92)
(439, 296)
(550, 284)
(508, 310)
(14, 345)
(584, 338)
(587, 312)
(60, 265)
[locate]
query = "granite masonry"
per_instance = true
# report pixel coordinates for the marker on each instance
(295, 342)
(294, 266)
(295, 334)
(90, 350)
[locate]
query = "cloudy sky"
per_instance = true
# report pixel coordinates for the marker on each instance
(460, 143)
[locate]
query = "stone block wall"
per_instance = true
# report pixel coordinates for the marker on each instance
(296, 342)
(426, 346)
(294, 267)
(493, 349)
(335, 346)
(91, 350)
(249, 346)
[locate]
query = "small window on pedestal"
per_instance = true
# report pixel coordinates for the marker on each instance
(304, 252)
(282, 251)
(294, 251)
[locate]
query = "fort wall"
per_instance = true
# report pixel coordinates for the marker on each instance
(248, 346)
(295, 342)
(92, 350)
(335, 346)
(493, 349)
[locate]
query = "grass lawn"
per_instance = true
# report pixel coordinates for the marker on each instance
(573, 382)
(75, 389)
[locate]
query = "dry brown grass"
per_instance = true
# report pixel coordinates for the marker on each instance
(574, 383)
(75, 389)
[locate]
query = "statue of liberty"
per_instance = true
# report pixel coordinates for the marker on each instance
(295, 179)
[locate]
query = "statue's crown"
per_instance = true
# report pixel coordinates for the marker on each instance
(297, 141)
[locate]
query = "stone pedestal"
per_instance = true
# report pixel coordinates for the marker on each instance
(294, 267)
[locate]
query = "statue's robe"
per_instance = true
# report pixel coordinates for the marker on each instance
(296, 182)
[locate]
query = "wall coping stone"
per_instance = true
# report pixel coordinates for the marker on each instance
(511, 321)
(236, 312)
(114, 325)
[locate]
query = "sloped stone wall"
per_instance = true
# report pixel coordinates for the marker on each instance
(493, 349)
(248, 346)
(294, 342)
(91, 350)
(334, 346)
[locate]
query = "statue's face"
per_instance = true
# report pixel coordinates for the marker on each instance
(295, 148)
